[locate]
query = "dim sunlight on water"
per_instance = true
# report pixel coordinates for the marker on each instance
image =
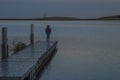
(87, 50)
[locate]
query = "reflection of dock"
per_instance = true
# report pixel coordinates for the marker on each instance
(26, 64)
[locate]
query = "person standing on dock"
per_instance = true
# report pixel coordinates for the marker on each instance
(48, 32)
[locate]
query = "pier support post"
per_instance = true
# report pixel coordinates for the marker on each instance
(4, 45)
(32, 34)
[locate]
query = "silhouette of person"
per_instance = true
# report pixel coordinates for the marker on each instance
(48, 32)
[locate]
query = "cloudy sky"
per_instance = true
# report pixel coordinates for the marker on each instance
(73, 8)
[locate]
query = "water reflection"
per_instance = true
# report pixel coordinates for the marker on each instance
(91, 55)
(48, 44)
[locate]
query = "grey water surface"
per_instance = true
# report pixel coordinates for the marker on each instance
(87, 50)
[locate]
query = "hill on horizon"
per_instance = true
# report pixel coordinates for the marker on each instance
(57, 18)
(114, 17)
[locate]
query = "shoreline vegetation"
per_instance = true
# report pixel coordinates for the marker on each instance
(114, 17)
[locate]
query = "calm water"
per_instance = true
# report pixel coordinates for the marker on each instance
(87, 50)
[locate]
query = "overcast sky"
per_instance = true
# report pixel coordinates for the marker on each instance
(73, 8)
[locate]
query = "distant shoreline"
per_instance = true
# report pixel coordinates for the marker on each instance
(57, 20)
(115, 17)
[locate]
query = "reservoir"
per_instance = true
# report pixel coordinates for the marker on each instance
(87, 50)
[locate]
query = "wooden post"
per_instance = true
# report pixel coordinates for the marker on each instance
(32, 34)
(4, 45)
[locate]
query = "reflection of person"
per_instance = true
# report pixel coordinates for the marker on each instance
(48, 31)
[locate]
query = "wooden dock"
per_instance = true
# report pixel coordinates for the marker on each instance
(26, 64)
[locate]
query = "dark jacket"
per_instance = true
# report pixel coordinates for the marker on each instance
(48, 30)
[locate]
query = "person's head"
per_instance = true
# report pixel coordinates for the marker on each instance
(48, 26)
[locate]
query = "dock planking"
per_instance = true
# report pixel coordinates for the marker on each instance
(26, 64)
